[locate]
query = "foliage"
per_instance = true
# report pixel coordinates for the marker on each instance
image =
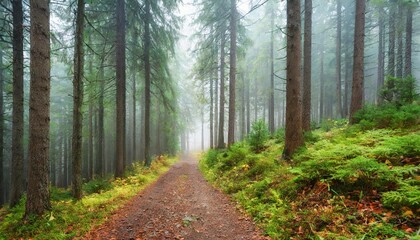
(388, 116)
(346, 183)
(69, 219)
(280, 135)
(258, 136)
(97, 186)
(408, 195)
(399, 91)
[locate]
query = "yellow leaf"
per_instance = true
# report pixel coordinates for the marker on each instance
(51, 217)
(408, 213)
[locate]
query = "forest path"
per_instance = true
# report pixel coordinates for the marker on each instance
(179, 205)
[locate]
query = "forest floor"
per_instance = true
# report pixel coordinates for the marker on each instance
(180, 205)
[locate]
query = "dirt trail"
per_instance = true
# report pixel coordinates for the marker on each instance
(180, 205)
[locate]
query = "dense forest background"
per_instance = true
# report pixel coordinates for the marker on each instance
(155, 75)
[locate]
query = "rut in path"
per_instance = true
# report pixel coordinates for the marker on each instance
(180, 205)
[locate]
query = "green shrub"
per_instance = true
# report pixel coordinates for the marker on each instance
(236, 153)
(408, 195)
(328, 124)
(280, 135)
(97, 185)
(366, 173)
(261, 167)
(210, 158)
(258, 136)
(399, 91)
(388, 116)
(397, 148)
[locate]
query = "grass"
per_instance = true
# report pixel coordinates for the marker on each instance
(348, 182)
(71, 219)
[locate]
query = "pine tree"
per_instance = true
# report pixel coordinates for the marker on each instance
(78, 102)
(38, 196)
(358, 59)
(294, 134)
(17, 176)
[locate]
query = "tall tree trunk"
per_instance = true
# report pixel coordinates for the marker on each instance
(216, 106)
(53, 160)
(100, 155)
(60, 157)
(78, 102)
(211, 110)
(66, 158)
(242, 112)
(307, 67)
(271, 90)
(142, 121)
(120, 77)
(248, 105)
(400, 42)
(391, 38)
(90, 148)
(338, 61)
(408, 41)
(232, 73)
(38, 195)
(358, 59)
(60, 181)
(2, 187)
(294, 134)
(17, 176)
(381, 56)
(321, 86)
(147, 93)
(348, 61)
(221, 141)
(134, 149)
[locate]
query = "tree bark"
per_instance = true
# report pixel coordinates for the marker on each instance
(216, 106)
(338, 61)
(66, 157)
(307, 67)
(381, 56)
(221, 141)
(408, 41)
(2, 187)
(120, 77)
(78, 102)
(147, 93)
(38, 195)
(294, 134)
(399, 73)
(211, 110)
(100, 155)
(243, 109)
(232, 73)
(134, 148)
(321, 86)
(248, 105)
(358, 59)
(90, 153)
(271, 90)
(391, 38)
(17, 176)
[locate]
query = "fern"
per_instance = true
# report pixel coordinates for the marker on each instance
(408, 195)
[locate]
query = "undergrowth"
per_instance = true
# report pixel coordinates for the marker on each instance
(70, 219)
(349, 182)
